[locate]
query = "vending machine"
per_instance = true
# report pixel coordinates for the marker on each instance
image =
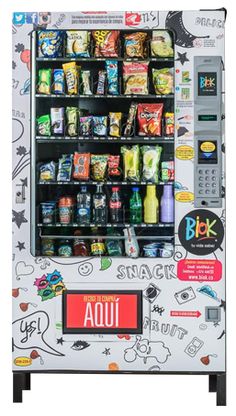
(118, 194)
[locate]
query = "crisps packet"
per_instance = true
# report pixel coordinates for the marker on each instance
(134, 45)
(115, 124)
(101, 82)
(85, 124)
(71, 74)
(114, 166)
(58, 81)
(151, 160)
(129, 128)
(85, 81)
(135, 76)
(131, 162)
(72, 121)
(112, 77)
(57, 120)
(44, 81)
(106, 42)
(161, 44)
(169, 124)
(81, 166)
(50, 43)
(100, 125)
(65, 168)
(77, 43)
(47, 172)
(99, 166)
(44, 125)
(163, 80)
(149, 119)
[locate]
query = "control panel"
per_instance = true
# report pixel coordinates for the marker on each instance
(207, 130)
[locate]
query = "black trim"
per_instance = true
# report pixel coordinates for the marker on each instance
(193, 373)
(138, 330)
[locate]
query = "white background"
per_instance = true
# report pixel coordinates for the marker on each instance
(111, 394)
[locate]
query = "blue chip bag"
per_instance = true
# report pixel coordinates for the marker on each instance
(112, 77)
(58, 81)
(50, 43)
(65, 168)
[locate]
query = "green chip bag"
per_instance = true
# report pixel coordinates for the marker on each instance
(163, 80)
(44, 125)
(151, 159)
(131, 162)
(44, 81)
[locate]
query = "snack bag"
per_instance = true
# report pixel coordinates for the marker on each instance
(99, 166)
(85, 125)
(163, 80)
(50, 43)
(100, 125)
(131, 243)
(169, 124)
(81, 166)
(65, 168)
(77, 43)
(135, 76)
(71, 74)
(129, 129)
(101, 82)
(115, 124)
(47, 172)
(149, 119)
(113, 166)
(106, 42)
(112, 77)
(57, 120)
(85, 80)
(167, 171)
(44, 125)
(72, 121)
(58, 81)
(131, 162)
(161, 44)
(134, 45)
(44, 81)
(151, 160)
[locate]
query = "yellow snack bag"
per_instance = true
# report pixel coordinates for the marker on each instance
(71, 74)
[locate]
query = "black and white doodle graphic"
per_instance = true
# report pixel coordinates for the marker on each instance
(30, 332)
(151, 292)
(221, 335)
(80, 345)
(18, 129)
(163, 328)
(185, 295)
(19, 217)
(182, 57)
(158, 309)
(21, 245)
(85, 269)
(193, 347)
(22, 269)
(107, 351)
(147, 350)
(60, 341)
(43, 262)
(185, 39)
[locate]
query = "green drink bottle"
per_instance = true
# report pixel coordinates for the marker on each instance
(135, 206)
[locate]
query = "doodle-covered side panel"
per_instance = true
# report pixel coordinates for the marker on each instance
(183, 297)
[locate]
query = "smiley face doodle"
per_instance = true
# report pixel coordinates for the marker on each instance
(85, 269)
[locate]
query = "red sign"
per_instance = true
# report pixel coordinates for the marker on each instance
(102, 311)
(186, 314)
(199, 270)
(132, 19)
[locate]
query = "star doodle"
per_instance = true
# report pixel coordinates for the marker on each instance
(60, 341)
(19, 217)
(223, 304)
(107, 351)
(182, 57)
(21, 151)
(14, 65)
(24, 182)
(19, 47)
(20, 246)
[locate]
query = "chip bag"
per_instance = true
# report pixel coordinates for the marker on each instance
(44, 81)
(106, 42)
(81, 166)
(131, 162)
(134, 45)
(47, 172)
(71, 74)
(161, 44)
(135, 76)
(99, 166)
(72, 121)
(163, 80)
(77, 43)
(44, 125)
(50, 43)
(169, 124)
(65, 168)
(149, 119)
(115, 124)
(112, 77)
(151, 160)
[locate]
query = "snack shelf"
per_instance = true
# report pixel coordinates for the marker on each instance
(131, 139)
(99, 59)
(94, 96)
(107, 225)
(78, 183)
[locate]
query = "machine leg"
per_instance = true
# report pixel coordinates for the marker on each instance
(221, 390)
(18, 386)
(27, 381)
(212, 383)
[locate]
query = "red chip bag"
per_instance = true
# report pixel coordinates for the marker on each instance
(81, 166)
(149, 119)
(106, 42)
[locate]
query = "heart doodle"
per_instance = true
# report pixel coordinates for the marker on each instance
(23, 269)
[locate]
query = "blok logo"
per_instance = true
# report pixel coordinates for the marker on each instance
(201, 232)
(207, 82)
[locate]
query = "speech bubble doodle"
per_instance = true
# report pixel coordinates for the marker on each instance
(29, 332)
(184, 196)
(22, 269)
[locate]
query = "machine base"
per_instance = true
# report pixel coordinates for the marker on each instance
(217, 382)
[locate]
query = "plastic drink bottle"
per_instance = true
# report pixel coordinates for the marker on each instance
(167, 204)
(116, 206)
(99, 206)
(83, 206)
(151, 206)
(135, 207)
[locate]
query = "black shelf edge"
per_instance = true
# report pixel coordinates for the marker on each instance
(115, 183)
(107, 225)
(103, 59)
(94, 96)
(134, 139)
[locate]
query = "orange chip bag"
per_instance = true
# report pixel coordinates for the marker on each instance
(81, 166)
(149, 119)
(106, 42)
